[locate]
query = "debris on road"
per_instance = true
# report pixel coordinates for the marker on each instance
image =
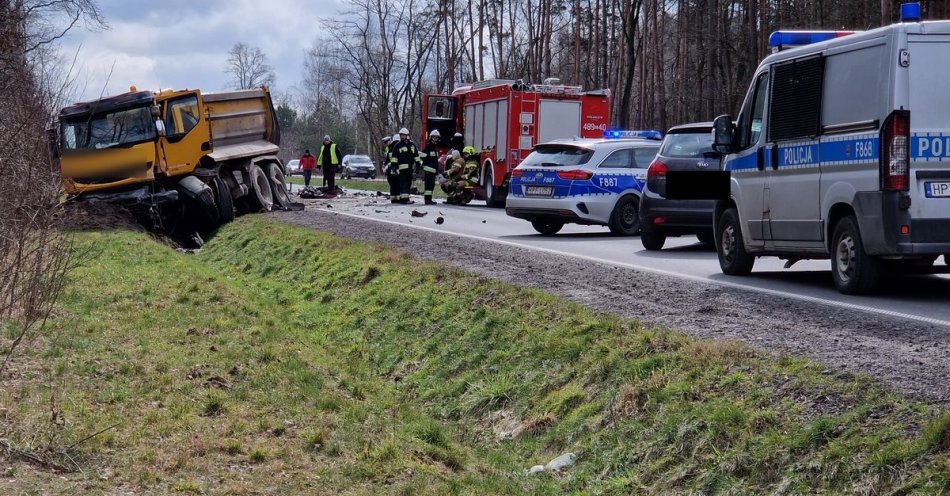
(416, 213)
(439, 220)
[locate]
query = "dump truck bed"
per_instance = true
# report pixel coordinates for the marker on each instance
(242, 124)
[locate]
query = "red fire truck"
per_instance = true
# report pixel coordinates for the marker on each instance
(504, 119)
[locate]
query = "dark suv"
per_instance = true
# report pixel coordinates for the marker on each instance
(685, 148)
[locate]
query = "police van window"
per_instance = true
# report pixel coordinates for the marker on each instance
(795, 106)
(749, 126)
(181, 116)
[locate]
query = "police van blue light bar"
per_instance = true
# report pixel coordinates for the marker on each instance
(788, 39)
(649, 134)
(910, 12)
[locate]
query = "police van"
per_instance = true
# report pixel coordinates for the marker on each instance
(841, 150)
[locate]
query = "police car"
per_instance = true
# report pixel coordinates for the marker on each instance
(584, 181)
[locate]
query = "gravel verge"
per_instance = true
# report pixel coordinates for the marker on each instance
(911, 357)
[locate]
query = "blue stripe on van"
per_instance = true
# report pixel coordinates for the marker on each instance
(929, 146)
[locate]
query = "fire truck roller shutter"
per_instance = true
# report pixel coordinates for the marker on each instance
(558, 119)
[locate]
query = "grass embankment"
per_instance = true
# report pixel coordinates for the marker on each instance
(282, 360)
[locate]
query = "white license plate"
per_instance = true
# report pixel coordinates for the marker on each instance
(538, 190)
(934, 189)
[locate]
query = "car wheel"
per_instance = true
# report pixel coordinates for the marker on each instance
(261, 197)
(733, 259)
(625, 219)
(652, 241)
(853, 270)
(547, 227)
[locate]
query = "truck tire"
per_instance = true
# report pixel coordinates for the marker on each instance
(652, 241)
(854, 271)
(625, 219)
(260, 197)
(494, 196)
(222, 195)
(547, 227)
(733, 259)
(278, 185)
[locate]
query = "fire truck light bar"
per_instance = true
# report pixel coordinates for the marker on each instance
(648, 134)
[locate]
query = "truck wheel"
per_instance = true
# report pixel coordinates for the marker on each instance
(853, 270)
(733, 259)
(625, 219)
(260, 198)
(547, 227)
(494, 196)
(652, 241)
(278, 185)
(222, 196)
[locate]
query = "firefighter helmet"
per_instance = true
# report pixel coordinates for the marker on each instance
(403, 131)
(468, 150)
(435, 133)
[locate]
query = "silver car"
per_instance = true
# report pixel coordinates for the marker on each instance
(582, 181)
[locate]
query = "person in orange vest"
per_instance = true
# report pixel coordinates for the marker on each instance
(329, 159)
(307, 164)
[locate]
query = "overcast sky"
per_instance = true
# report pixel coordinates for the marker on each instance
(184, 43)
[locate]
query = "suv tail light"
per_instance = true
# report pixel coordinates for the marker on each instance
(656, 177)
(575, 175)
(895, 152)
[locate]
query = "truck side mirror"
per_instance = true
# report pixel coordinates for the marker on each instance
(723, 131)
(156, 111)
(160, 127)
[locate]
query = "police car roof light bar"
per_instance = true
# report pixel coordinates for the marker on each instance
(910, 12)
(780, 40)
(651, 134)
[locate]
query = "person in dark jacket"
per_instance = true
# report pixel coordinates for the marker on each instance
(307, 164)
(406, 156)
(458, 142)
(430, 165)
(391, 168)
(329, 159)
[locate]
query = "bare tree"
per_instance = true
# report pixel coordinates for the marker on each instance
(248, 67)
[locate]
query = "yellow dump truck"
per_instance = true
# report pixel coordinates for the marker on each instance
(188, 161)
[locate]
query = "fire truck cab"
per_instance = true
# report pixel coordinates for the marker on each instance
(504, 119)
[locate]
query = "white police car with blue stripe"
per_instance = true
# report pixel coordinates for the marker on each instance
(584, 181)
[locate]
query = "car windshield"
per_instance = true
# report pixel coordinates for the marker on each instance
(360, 159)
(688, 144)
(116, 129)
(557, 155)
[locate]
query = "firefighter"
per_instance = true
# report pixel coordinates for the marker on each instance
(461, 177)
(406, 156)
(392, 168)
(458, 142)
(430, 165)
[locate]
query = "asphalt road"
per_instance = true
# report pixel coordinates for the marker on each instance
(919, 298)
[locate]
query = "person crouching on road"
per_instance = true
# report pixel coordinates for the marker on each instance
(329, 159)
(392, 168)
(430, 165)
(307, 164)
(406, 155)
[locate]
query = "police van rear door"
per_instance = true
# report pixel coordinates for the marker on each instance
(928, 63)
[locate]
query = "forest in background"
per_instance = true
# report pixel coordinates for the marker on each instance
(666, 62)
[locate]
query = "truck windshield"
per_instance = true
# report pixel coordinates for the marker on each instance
(557, 155)
(117, 129)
